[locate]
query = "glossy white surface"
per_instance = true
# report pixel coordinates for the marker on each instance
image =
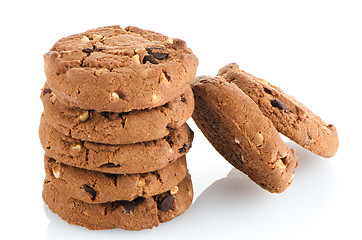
(311, 49)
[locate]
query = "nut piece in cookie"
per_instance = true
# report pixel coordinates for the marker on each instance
(289, 116)
(239, 131)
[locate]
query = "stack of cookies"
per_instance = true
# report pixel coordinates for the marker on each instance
(113, 128)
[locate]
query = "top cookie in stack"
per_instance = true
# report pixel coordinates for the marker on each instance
(119, 70)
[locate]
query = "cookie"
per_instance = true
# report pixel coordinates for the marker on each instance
(118, 159)
(141, 213)
(289, 116)
(119, 70)
(239, 131)
(117, 128)
(97, 187)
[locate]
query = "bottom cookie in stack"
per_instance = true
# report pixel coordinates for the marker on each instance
(141, 213)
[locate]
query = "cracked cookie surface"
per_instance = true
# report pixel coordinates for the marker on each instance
(117, 128)
(119, 70)
(239, 131)
(97, 187)
(118, 159)
(289, 116)
(141, 213)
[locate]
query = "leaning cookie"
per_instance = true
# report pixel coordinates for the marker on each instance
(240, 132)
(141, 213)
(117, 128)
(118, 159)
(118, 70)
(97, 187)
(289, 116)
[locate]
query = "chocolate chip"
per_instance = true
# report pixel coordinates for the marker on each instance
(87, 50)
(110, 165)
(127, 206)
(101, 49)
(149, 58)
(89, 190)
(46, 90)
(160, 56)
(157, 52)
(278, 104)
(166, 203)
(268, 91)
(184, 148)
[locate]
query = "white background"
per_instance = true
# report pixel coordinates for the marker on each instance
(311, 49)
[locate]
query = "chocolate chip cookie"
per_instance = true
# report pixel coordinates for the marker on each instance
(141, 213)
(119, 70)
(118, 159)
(117, 128)
(289, 116)
(97, 187)
(239, 131)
